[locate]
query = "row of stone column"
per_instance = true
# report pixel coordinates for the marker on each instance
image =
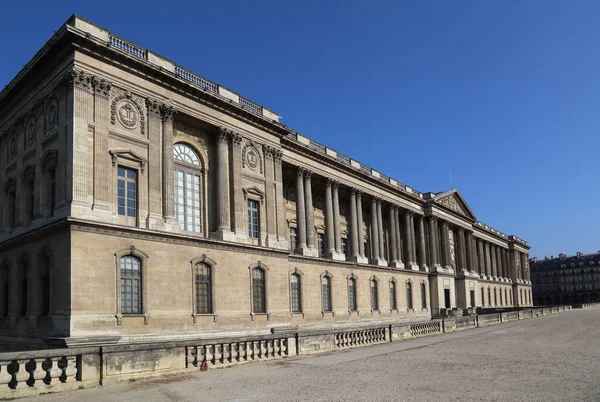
(493, 261)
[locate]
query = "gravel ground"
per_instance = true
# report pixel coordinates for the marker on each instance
(551, 358)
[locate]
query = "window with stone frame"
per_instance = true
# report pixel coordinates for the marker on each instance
(259, 295)
(23, 283)
(374, 295)
(296, 293)
(472, 298)
(352, 300)
(482, 297)
(326, 294)
(489, 296)
(29, 189)
(423, 296)
(127, 195)
(393, 304)
(45, 284)
(253, 220)
(203, 282)
(188, 188)
(293, 238)
(52, 196)
(321, 244)
(409, 296)
(521, 298)
(131, 285)
(500, 291)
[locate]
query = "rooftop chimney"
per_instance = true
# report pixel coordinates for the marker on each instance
(579, 254)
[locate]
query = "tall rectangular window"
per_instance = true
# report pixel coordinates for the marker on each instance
(344, 247)
(393, 305)
(482, 297)
(423, 296)
(259, 297)
(203, 289)
(472, 298)
(295, 293)
(326, 293)
(409, 298)
(374, 296)
(253, 219)
(188, 200)
(127, 195)
(131, 285)
(352, 294)
(293, 237)
(321, 244)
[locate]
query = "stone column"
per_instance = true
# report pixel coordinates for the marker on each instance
(488, 262)
(422, 246)
(282, 225)
(446, 245)
(270, 195)
(329, 224)
(413, 241)
(493, 261)
(168, 113)
(400, 256)
(301, 247)
(408, 255)
(236, 194)
(101, 157)
(353, 226)
(155, 218)
(506, 264)
(461, 251)
(336, 221)
(374, 233)
(224, 226)
(310, 220)
(481, 259)
(433, 250)
(470, 252)
(359, 214)
(393, 239)
(381, 232)
(499, 263)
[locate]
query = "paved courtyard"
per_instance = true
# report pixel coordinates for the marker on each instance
(551, 358)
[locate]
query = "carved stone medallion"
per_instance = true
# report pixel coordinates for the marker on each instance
(252, 158)
(52, 113)
(30, 131)
(12, 146)
(127, 114)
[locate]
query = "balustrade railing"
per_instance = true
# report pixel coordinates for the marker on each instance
(40, 371)
(426, 328)
(196, 79)
(251, 106)
(128, 47)
(361, 337)
(228, 353)
(490, 318)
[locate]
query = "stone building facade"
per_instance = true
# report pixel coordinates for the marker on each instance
(143, 202)
(567, 279)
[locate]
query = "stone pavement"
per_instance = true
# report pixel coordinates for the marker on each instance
(551, 358)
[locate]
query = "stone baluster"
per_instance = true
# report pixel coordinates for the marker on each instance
(37, 372)
(5, 377)
(22, 374)
(336, 221)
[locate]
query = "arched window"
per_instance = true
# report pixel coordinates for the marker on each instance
(296, 293)
(374, 296)
(393, 305)
(423, 296)
(259, 299)
(352, 294)
(409, 297)
(326, 293)
(4, 289)
(131, 285)
(203, 289)
(188, 188)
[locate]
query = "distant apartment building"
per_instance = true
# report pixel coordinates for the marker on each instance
(566, 279)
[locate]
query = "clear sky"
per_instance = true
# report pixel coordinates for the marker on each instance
(505, 95)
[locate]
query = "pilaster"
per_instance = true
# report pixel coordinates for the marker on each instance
(336, 221)
(422, 245)
(301, 247)
(223, 210)
(362, 259)
(101, 157)
(155, 219)
(236, 196)
(310, 219)
(279, 200)
(270, 197)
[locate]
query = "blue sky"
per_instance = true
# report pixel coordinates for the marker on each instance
(505, 95)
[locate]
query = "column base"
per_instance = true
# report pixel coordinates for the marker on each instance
(380, 262)
(332, 255)
(424, 268)
(483, 277)
(413, 266)
(306, 251)
(225, 235)
(397, 264)
(436, 268)
(359, 259)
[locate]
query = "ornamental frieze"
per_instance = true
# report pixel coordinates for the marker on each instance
(452, 203)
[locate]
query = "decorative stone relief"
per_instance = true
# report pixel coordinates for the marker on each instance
(251, 157)
(452, 249)
(190, 135)
(291, 195)
(453, 203)
(343, 210)
(319, 203)
(51, 114)
(78, 78)
(30, 129)
(12, 146)
(127, 109)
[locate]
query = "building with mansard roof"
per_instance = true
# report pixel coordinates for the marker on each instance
(143, 202)
(567, 279)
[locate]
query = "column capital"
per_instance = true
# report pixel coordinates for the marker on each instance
(153, 107)
(236, 138)
(101, 86)
(307, 174)
(461, 230)
(223, 134)
(167, 111)
(332, 183)
(74, 77)
(355, 191)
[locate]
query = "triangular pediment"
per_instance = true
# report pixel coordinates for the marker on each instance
(454, 201)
